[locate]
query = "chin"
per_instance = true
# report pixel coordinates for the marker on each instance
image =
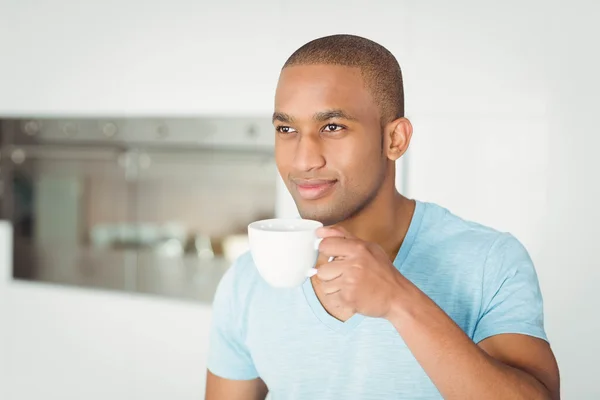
(330, 212)
(326, 217)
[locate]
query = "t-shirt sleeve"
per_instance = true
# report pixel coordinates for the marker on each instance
(512, 300)
(228, 356)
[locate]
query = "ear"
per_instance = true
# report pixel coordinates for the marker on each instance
(397, 135)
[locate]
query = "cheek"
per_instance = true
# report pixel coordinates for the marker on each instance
(284, 155)
(358, 163)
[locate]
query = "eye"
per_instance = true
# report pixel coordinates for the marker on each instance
(333, 128)
(285, 129)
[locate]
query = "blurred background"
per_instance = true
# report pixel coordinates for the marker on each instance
(136, 146)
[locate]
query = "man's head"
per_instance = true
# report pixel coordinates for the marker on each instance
(339, 111)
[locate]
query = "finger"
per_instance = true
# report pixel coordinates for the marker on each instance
(342, 248)
(331, 288)
(334, 231)
(323, 259)
(331, 271)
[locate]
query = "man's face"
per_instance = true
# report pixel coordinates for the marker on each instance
(328, 146)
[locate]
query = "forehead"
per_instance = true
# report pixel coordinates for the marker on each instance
(305, 89)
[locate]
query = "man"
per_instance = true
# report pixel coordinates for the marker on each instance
(416, 304)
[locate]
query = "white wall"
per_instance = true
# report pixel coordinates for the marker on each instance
(510, 139)
(502, 96)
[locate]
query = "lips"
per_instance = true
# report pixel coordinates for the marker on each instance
(313, 189)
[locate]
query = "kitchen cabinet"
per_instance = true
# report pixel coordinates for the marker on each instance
(137, 58)
(178, 58)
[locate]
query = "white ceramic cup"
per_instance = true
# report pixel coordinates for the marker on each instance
(285, 251)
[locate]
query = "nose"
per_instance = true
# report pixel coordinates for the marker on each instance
(309, 153)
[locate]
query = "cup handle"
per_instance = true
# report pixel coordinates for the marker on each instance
(317, 243)
(313, 271)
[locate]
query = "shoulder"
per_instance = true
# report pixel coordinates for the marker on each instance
(238, 283)
(446, 231)
(242, 271)
(449, 235)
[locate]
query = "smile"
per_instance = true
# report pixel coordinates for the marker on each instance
(314, 189)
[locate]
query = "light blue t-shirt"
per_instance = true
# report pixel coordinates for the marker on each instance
(483, 279)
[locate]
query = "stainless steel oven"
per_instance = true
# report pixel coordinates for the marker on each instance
(149, 205)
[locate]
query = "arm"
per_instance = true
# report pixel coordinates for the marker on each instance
(506, 366)
(510, 362)
(231, 373)
(218, 388)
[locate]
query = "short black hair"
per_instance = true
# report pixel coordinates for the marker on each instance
(378, 66)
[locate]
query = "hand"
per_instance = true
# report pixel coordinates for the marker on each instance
(361, 275)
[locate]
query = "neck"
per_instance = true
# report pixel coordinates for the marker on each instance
(384, 221)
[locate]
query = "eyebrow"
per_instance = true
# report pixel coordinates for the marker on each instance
(320, 116)
(331, 114)
(282, 117)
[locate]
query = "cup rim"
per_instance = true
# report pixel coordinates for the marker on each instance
(310, 224)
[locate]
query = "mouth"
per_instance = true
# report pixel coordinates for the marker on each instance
(313, 189)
